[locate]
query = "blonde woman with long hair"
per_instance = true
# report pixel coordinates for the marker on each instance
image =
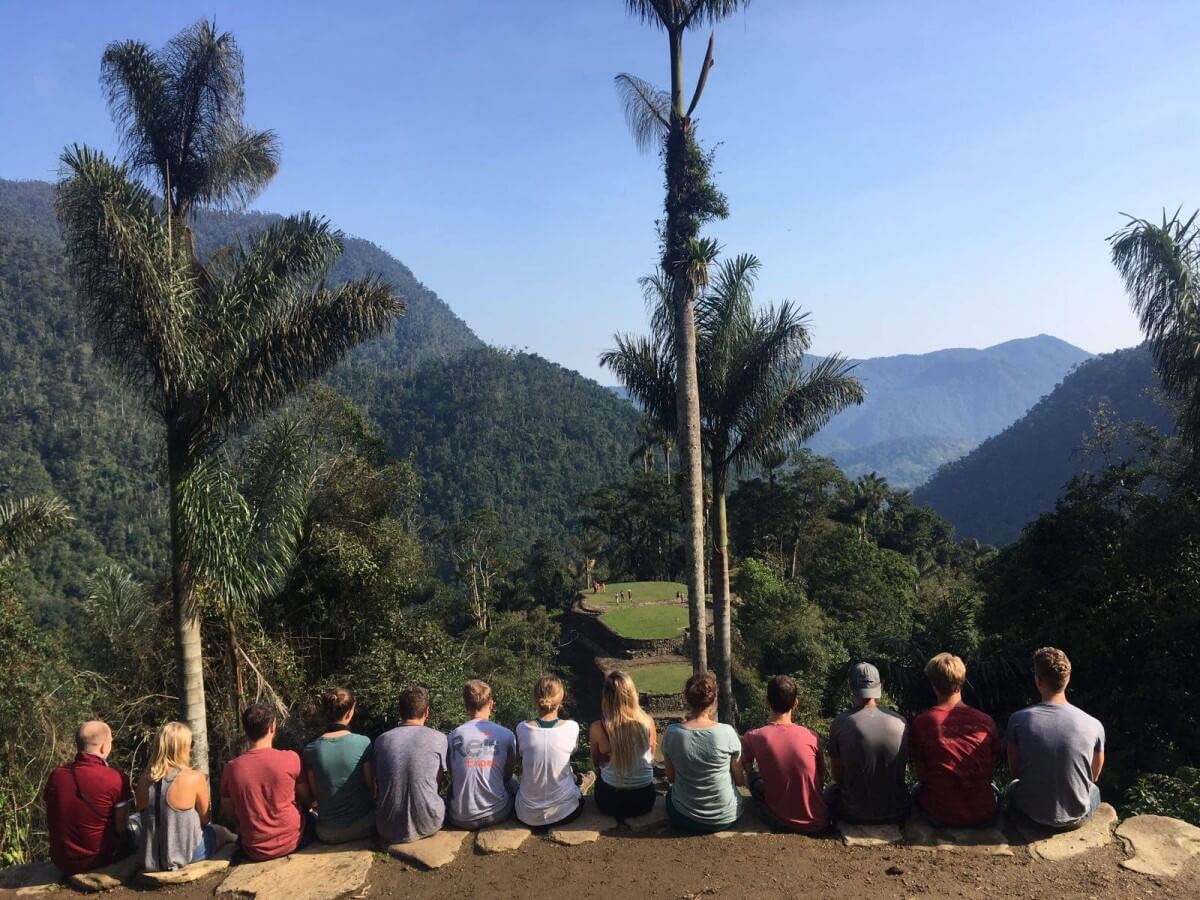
(176, 805)
(548, 794)
(623, 750)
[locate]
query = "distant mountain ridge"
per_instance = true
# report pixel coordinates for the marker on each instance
(1011, 478)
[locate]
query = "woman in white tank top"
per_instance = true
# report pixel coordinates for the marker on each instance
(548, 794)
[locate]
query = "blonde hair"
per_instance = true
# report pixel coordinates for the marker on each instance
(172, 750)
(627, 726)
(947, 673)
(1053, 667)
(548, 694)
(476, 695)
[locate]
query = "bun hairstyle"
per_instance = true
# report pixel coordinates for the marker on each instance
(700, 692)
(548, 694)
(335, 703)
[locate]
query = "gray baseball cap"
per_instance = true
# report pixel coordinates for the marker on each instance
(864, 682)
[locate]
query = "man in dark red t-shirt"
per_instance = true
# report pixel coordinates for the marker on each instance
(785, 766)
(87, 805)
(953, 748)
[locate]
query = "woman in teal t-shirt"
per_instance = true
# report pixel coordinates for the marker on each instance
(338, 768)
(702, 763)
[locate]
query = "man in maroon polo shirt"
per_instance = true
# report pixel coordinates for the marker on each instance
(87, 805)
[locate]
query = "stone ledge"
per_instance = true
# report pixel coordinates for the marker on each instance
(31, 878)
(192, 872)
(433, 852)
(106, 879)
(869, 835)
(1161, 846)
(1097, 832)
(921, 835)
(502, 838)
(318, 872)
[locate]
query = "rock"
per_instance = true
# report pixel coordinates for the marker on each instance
(748, 823)
(501, 838)
(893, 870)
(32, 878)
(869, 835)
(587, 782)
(192, 872)
(319, 872)
(584, 830)
(653, 820)
(1093, 834)
(1160, 845)
(106, 879)
(921, 835)
(432, 852)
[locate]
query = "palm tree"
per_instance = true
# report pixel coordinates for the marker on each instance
(756, 397)
(660, 120)
(1160, 265)
(212, 346)
(865, 498)
(28, 522)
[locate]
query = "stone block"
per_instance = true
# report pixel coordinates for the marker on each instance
(869, 835)
(1091, 835)
(31, 878)
(434, 851)
(192, 872)
(655, 819)
(319, 872)
(106, 879)
(584, 830)
(1161, 846)
(921, 835)
(502, 838)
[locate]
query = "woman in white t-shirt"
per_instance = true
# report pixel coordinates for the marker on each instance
(548, 794)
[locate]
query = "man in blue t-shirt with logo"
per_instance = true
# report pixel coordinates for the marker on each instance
(1055, 751)
(482, 758)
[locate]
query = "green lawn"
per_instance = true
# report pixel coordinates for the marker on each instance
(663, 620)
(643, 592)
(661, 678)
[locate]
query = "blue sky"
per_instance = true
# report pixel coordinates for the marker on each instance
(917, 175)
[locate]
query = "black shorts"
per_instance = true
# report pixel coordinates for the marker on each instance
(623, 803)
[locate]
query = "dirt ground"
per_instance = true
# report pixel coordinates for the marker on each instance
(698, 868)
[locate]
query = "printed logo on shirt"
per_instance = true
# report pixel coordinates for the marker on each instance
(478, 754)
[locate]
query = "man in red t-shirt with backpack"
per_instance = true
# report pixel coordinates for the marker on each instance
(953, 748)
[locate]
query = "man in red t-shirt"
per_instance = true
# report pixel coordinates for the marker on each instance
(953, 748)
(785, 766)
(87, 805)
(264, 791)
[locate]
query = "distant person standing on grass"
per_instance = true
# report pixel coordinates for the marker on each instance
(337, 766)
(410, 767)
(483, 756)
(622, 746)
(868, 753)
(703, 765)
(547, 794)
(1055, 751)
(785, 766)
(954, 748)
(87, 805)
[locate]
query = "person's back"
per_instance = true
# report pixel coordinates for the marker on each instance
(702, 758)
(785, 765)
(409, 762)
(547, 794)
(481, 753)
(87, 806)
(260, 787)
(868, 750)
(337, 767)
(171, 829)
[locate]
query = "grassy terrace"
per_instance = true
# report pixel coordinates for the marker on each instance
(661, 678)
(643, 592)
(653, 622)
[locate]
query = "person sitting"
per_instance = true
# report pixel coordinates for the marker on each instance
(337, 767)
(264, 791)
(622, 748)
(87, 805)
(953, 748)
(548, 794)
(1055, 751)
(785, 766)
(483, 756)
(703, 764)
(410, 769)
(868, 753)
(176, 806)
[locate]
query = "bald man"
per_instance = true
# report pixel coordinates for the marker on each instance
(87, 805)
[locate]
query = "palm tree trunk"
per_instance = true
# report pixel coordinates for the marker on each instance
(722, 625)
(189, 654)
(687, 386)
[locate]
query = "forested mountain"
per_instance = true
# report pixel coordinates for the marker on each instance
(1012, 478)
(486, 428)
(923, 410)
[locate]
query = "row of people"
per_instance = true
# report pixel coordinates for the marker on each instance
(413, 779)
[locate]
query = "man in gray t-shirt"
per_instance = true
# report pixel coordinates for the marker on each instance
(1055, 751)
(868, 753)
(410, 764)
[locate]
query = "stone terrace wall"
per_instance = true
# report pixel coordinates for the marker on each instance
(587, 621)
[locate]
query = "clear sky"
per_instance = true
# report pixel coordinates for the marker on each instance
(917, 175)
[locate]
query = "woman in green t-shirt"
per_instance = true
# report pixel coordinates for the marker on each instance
(338, 768)
(703, 766)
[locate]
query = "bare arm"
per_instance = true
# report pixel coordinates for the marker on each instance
(310, 779)
(598, 745)
(1097, 764)
(369, 777)
(203, 802)
(739, 774)
(670, 767)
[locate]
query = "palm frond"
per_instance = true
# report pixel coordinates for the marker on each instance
(682, 13)
(648, 373)
(119, 605)
(135, 83)
(647, 111)
(239, 167)
(135, 290)
(30, 521)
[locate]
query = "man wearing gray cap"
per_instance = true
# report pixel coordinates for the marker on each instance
(868, 753)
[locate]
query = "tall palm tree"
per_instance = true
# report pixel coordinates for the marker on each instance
(212, 346)
(661, 120)
(865, 498)
(756, 396)
(1160, 264)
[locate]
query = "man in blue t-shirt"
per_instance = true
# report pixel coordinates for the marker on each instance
(482, 758)
(1055, 751)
